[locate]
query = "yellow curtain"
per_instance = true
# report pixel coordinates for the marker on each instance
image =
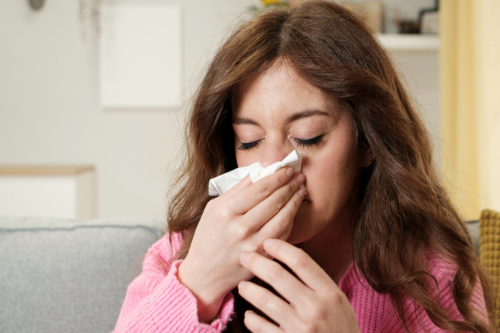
(470, 103)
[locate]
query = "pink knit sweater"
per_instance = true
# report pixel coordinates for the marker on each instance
(157, 302)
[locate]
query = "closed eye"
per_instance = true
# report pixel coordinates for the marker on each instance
(249, 145)
(309, 142)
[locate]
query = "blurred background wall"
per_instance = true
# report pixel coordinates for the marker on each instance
(49, 103)
(49, 96)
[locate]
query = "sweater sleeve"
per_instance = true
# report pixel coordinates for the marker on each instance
(157, 302)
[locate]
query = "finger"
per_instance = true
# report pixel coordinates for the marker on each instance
(287, 285)
(244, 183)
(271, 205)
(257, 324)
(253, 195)
(301, 264)
(264, 300)
(281, 224)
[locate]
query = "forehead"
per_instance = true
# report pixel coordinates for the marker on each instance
(279, 89)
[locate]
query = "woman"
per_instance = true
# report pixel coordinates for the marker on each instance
(373, 246)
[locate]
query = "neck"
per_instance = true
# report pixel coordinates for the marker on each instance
(331, 249)
(330, 253)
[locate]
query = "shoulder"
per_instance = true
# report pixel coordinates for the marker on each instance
(376, 311)
(441, 287)
(162, 253)
(441, 269)
(445, 272)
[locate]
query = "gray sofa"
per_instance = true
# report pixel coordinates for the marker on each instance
(67, 275)
(71, 276)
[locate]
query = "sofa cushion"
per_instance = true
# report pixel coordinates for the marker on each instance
(67, 275)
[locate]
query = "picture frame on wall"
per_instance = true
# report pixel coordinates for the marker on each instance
(430, 23)
(140, 55)
(429, 19)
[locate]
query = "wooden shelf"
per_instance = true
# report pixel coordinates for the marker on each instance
(409, 42)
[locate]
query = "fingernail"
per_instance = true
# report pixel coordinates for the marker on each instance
(268, 242)
(241, 284)
(300, 178)
(289, 172)
(301, 192)
(243, 255)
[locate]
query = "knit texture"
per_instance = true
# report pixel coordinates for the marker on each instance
(489, 238)
(157, 302)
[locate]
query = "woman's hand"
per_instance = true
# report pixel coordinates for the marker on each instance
(237, 221)
(314, 303)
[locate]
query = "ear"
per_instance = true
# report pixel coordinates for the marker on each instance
(365, 156)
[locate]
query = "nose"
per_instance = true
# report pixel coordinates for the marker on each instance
(274, 153)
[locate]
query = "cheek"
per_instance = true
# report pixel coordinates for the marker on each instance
(244, 158)
(331, 174)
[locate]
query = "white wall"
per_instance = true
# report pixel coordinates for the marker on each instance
(419, 70)
(49, 111)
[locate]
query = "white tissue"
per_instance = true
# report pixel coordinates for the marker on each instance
(223, 183)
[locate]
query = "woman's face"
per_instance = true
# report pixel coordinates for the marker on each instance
(278, 112)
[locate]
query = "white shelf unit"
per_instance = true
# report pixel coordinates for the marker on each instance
(48, 191)
(409, 42)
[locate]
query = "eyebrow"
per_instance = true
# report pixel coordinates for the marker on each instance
(289, 119)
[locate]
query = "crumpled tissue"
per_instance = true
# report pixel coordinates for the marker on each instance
(223, 183)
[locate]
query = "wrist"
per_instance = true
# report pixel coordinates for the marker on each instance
(208, 299)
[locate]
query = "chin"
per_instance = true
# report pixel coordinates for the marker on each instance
(298, 235)
(293, 240)
(309, 223)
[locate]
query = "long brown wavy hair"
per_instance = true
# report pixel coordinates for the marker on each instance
(404, 211)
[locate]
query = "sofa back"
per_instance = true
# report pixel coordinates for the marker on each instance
(67, 275)
(71, 276)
